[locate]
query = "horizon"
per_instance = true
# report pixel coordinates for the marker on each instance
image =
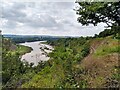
(41, 35)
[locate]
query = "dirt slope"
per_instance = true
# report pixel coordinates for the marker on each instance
(99, 70)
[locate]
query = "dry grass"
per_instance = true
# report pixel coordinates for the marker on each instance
(98, 68)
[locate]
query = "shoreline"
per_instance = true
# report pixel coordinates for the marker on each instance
(38, 53)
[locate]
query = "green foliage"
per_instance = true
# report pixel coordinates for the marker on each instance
(61, 71)
(12, 67)
(114, 31)
(58, 71)
(110, 46)
(86, 49)
(29, 38)
(23, 49)
(96, 12)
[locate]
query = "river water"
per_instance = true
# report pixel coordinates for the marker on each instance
(39, 52)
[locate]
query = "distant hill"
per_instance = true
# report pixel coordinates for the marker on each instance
(13, 35)
(29, 38)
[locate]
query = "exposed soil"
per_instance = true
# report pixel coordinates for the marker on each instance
(98, 69)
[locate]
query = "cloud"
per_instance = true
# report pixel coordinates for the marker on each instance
(46, 18)
(43, 20)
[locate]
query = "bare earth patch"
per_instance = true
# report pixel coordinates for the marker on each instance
(98, 69)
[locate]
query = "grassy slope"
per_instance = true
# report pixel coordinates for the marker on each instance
(98, 69)
(108, 46)
(101, 66)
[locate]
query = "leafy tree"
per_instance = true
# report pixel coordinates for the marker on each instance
(96, 12)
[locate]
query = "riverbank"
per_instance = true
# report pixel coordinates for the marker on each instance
(23, 49)
(39, 52)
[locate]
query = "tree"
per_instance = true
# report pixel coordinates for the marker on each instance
(96, 12)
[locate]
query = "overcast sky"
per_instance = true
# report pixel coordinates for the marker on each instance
(43, 18)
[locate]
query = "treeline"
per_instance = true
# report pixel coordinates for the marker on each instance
(114, 31)
(32, 38)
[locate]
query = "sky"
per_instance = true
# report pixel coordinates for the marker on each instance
(43, 18)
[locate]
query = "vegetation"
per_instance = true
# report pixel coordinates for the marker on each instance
(84, 62)
(109, 32)
(65, 69)
(23, 49)
(108, 46)
(104, 47)
(63, 57)
(11, 64)
(96, 12)
(59, 72)
(29, 38)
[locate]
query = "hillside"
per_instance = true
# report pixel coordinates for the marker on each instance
(73, 66)
(12, 67)
(60, 44)
(101, 65)
(74, 63)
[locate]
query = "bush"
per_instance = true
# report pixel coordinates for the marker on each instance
(85, 51)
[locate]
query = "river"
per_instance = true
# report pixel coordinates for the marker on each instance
(39, 52)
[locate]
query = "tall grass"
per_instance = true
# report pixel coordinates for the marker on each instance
(111, 46)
